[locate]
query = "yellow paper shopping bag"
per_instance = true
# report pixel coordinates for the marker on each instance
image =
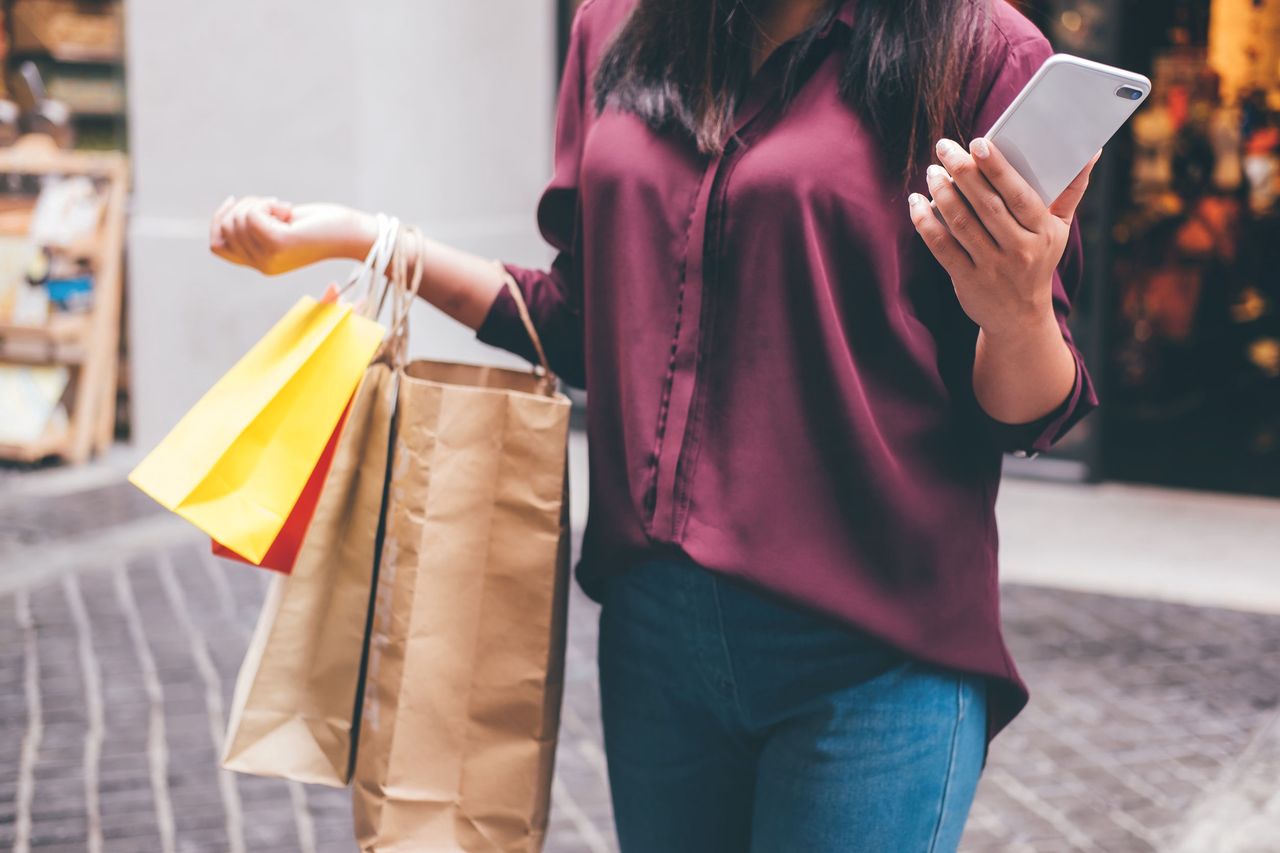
(235, 465)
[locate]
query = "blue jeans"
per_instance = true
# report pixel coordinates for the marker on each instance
(735, 722)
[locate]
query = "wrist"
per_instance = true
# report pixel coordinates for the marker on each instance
(358, 236)
(1030, 327)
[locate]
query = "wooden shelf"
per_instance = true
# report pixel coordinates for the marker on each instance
(63, 340)
(110, 58)
(89, 342)
(66, 30)
(38, 155)
(61, 328)
(83, 117)
(53, 444)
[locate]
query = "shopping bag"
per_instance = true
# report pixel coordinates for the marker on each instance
(283, 552)
(236, 463)
(297, 695)
(294, 712)
(466, 654)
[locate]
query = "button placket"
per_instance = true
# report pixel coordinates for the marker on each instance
(664, 520)
(681, 378)
(691, 447)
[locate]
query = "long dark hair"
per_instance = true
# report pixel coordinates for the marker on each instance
(684, 64)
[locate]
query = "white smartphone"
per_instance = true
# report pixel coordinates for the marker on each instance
(1065, 113)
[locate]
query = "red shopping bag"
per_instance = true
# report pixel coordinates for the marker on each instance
(283, 552)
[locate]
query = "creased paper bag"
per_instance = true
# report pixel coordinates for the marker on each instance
(296, 704)
(465, 672)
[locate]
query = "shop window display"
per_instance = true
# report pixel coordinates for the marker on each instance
(1195, 362)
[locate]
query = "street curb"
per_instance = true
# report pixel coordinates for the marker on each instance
(23, 568)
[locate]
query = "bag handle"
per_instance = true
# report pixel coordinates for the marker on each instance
(373, 269)
(402, 286)
(389, 260)
(547, 377)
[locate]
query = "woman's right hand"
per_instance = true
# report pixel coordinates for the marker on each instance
(274, 236)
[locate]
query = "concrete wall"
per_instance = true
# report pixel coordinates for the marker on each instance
(439, 111)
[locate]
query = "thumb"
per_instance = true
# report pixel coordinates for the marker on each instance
(281, 210)
(1064, 206)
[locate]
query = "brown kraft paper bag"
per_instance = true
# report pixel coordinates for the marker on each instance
(465, 672)
(295, 709)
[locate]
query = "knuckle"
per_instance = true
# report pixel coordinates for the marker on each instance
(960, 222)
(993, 204)
(1017, 200)
(937, 240)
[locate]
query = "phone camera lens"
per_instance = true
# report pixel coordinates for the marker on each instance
(1129, 93)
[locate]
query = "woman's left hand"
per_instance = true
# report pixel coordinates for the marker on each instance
(1000, 243)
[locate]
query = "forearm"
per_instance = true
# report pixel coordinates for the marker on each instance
(1023, 374)
(459, 283)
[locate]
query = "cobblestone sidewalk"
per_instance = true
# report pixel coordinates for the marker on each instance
(1149, 723)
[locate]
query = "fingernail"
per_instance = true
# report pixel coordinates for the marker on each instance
(945, 147)
(980, 148)
(935, 173)
(915, 199)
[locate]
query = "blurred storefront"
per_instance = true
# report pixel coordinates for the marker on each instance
(1180, 316)
(63, 186)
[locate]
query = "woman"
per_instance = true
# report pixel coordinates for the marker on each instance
(801, 382)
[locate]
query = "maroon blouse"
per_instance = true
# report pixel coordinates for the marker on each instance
(779, 373)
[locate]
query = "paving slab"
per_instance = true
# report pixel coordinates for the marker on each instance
(1154, 723)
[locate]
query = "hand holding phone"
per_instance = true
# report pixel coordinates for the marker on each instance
(1062, 118)
(1001, 212)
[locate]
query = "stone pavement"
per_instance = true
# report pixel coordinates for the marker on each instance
(1154, 726)
(1242, 809)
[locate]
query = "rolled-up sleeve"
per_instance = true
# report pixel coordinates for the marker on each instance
(554, 295)
(1031, 439)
